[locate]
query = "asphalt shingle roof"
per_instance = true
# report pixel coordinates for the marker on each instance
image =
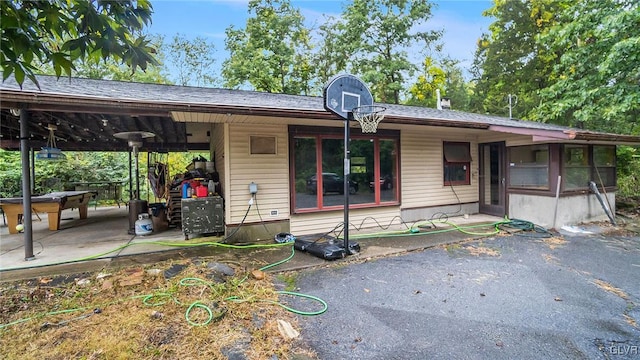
(115, 91)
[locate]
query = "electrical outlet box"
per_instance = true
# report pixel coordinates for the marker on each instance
(274, 212)
(253, 188)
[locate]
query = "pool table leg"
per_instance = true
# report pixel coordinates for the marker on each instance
(54, 220)
(12, 222)
(83, 209)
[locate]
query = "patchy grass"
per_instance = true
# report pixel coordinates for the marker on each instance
(453, 249)
(139, 313)
(289, 281)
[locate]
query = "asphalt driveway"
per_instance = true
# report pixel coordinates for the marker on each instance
(514, 297)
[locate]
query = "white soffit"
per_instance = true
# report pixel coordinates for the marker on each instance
(197, 117)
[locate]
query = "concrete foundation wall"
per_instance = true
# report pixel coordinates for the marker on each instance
(571, 209)
(409, 215)
(251, 233)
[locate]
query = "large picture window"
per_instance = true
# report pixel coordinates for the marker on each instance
(529, 167)
(318, 169)
(457, 163)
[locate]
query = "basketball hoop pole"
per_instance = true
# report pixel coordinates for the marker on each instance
(349, 98)
(347, 173)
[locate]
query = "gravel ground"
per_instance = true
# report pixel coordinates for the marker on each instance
(513, 297)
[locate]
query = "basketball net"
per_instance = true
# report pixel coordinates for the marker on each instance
(369, 116)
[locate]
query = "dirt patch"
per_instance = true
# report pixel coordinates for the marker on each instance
(628, 216)
(142, 313)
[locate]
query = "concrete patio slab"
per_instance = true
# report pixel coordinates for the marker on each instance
(102, 240)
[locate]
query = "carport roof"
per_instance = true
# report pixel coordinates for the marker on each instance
(128, 106)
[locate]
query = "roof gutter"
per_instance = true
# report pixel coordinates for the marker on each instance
(618, 139)
(435, 122)
(543, 135)
(92, 104)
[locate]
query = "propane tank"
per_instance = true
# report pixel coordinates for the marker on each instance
(144, 225)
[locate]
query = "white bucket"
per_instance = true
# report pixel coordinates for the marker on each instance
(144, 225)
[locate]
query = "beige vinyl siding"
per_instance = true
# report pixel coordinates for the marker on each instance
(322, 222)
(422, 168)
(269, 172)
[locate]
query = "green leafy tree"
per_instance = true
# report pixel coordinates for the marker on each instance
(64, 32)
(596, 83)
(444, 75)
(272, 53)
(628, 169)
(508, 59)
(377, 37)
(111, 69)
(456, 88)
(192, 60)
(329, 56)
(423, 91)
(10, 174)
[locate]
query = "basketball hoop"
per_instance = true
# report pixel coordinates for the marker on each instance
(369, 116)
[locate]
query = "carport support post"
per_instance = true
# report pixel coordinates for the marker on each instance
(26, 185)
(347, 172)
(130, 178)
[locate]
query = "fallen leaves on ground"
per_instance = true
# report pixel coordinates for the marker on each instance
(610, 288)
(141, 314)
(554, 242)
(482, 250)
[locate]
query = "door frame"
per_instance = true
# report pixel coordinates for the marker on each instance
(499, 209)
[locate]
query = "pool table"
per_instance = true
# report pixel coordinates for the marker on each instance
(51, 203)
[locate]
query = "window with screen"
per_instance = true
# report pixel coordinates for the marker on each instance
(584, 163)
(604, 165)
(457, 163)
(576, 171)
(529, 167)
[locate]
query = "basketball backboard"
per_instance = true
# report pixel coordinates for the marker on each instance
(344, 92)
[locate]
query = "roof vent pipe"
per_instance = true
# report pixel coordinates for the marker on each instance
(438, 105)
(445, 104)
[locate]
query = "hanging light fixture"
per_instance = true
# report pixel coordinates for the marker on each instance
(51, 151)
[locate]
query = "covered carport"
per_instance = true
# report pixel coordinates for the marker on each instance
(88, 123)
